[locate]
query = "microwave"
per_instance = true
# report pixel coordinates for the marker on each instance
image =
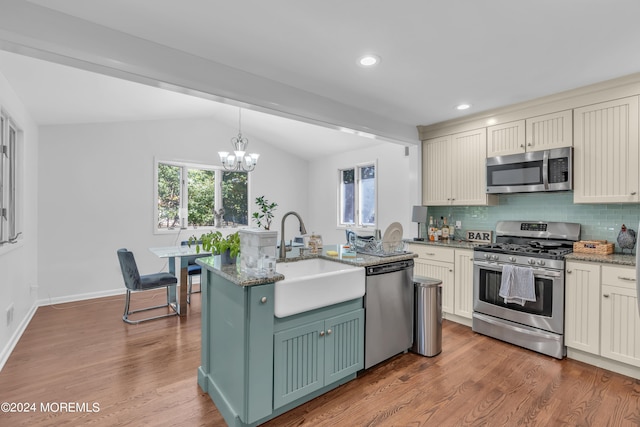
(546, 170)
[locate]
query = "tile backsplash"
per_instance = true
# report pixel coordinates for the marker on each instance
(597, 221)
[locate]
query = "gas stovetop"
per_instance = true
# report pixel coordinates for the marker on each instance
(555, 251)
(533, 243)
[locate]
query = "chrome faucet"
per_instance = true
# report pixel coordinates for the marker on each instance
(303, 230)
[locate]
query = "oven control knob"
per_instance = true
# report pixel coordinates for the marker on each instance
(495, 257)
(487, 256)
(512, 259)
(540, 262)
(532, 261)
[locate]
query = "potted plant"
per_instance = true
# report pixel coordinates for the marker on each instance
(264, 216)
(210, 242)
(230, 248)
(227, 247)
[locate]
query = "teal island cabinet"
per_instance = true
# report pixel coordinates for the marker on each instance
(255, 366)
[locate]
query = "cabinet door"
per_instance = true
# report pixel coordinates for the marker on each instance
(344, 345)
(442, 271)
(506, 138)
(468, 179)
(606, 152)
(582, 307)
(436, 171)
(620, 338)
(463, 289)
(550, 131)
(298, 367)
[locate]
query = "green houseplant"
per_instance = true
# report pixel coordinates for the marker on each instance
(264, 216)
(230, 248)
(212, 241)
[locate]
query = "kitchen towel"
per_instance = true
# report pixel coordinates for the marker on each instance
(517, 284)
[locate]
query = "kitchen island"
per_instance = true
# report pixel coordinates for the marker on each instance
(256, 366)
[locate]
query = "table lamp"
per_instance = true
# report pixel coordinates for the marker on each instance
(420, 216)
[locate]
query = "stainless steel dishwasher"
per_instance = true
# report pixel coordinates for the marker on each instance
(388, 311)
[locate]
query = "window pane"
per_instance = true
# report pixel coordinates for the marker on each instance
(168, 195)
(235, 198)
(201, 196)
(3, 159)
(367, 194)
(347, 197)
(12, 211)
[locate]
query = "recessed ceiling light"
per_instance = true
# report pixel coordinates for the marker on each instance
(369, 60)
(463, 106)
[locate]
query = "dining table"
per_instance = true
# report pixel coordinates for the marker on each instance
(182, 253)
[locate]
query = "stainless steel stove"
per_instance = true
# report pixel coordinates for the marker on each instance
(536, 246)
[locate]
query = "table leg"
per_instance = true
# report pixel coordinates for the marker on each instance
(184, 285)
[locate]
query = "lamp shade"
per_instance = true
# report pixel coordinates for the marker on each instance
(419, 214)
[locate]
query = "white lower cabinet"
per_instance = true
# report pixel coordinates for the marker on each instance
(620, 322)
(582, 307)
(454, 267)
(463, 288)
(601, 311)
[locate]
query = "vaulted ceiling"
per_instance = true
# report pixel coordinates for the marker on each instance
(434, 56)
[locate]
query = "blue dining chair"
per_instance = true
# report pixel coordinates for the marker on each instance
(134, 282)
(193, 269)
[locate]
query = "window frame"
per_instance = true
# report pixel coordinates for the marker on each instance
(11, 138)
(185, 165)
(358, 167)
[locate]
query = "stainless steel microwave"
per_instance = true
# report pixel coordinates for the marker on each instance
(546, 170)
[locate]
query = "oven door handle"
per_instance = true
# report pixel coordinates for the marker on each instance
(537, 272)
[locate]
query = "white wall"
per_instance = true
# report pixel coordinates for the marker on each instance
(96, 195)
(18, 262)
(398, 189)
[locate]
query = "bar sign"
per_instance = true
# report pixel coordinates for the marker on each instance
(480, 236)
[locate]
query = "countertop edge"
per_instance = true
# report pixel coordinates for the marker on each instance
(230, 273)
(614, 259)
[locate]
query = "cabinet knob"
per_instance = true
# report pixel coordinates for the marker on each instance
(263, 300)
(329, 331)
(633, 193)
(606, 295)
(321, 333)
(568, 271)
(529, 145)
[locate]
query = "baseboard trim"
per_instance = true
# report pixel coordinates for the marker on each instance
(80, 297)
(13, 341)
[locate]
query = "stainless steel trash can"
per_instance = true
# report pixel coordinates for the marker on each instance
(427, 326)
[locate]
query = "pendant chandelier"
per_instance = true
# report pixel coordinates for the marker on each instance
(239, 160)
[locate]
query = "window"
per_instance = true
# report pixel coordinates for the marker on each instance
(357, 196)
(9, 232)
(191, 195)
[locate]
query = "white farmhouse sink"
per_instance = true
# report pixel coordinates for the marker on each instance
(315, 283)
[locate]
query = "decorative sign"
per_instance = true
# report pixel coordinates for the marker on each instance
(480, 236)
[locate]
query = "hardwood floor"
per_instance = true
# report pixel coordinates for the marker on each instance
(146, 375)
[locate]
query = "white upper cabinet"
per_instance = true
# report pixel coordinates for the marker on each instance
(545, 132)
(606, 152)
(454, 169)
(506, 138)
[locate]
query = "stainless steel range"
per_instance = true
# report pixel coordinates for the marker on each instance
(532, 255)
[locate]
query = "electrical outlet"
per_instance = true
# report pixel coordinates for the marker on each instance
(458, 225)
(10, 315)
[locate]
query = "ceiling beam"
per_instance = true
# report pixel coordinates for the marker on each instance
(36, 31)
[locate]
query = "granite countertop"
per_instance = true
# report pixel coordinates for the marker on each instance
(618, 259)
(344, 256)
